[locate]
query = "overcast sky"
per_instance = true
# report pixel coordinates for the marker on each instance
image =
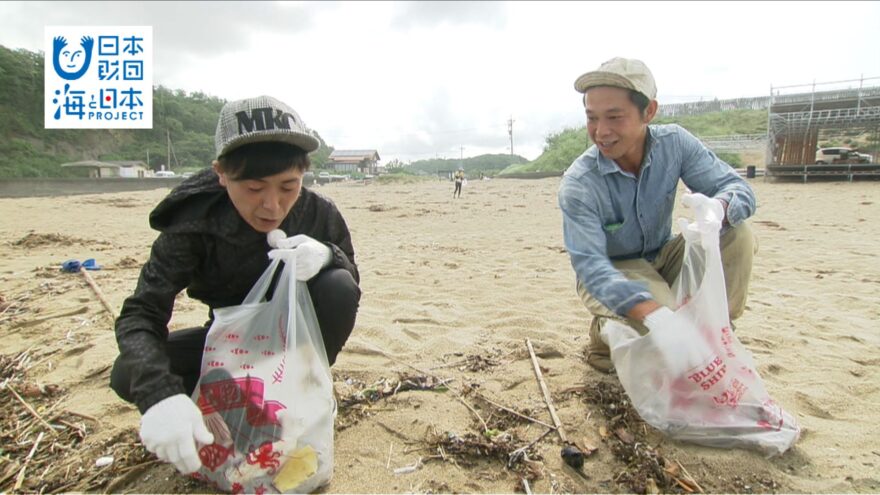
(425, 79)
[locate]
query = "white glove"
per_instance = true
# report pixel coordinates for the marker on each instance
(679, 342)
(708, 210)
(659, 319)
(171, 428)
(311, 255)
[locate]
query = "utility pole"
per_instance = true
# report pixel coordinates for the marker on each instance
(168, 155)
(461, 156)
(510, 133)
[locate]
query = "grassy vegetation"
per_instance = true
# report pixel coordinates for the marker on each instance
(489, 164)
(721, 123)
(563, 147)
(401, 178)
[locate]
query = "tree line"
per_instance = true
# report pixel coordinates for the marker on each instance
(27, 149)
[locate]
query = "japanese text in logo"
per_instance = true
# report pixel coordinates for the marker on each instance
(99, 77)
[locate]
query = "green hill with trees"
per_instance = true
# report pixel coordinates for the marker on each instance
(489, 164)
(29, 150)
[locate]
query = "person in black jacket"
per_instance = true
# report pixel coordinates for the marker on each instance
(213, 243)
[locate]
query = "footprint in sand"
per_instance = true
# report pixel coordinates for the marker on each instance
(774, 369)
(867, 362)
(429, 321)
(809, 407)
(771, 224)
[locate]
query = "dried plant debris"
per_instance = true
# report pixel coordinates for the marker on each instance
(33, 239)
(755, 484)
(384, 388)
(129, 262)
(34, 431)
(13, 306)
(356, 397)
(499, 416)
(45, 448)
(501, 429)
(645, 470)
(114, 202)
(473, 362)
(476, 362)
(468, 448)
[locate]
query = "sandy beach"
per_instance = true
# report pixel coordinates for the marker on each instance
(451, 291)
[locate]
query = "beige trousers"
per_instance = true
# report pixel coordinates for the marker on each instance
(738, 247)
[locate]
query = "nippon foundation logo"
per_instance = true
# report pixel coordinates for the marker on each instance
(98, 77)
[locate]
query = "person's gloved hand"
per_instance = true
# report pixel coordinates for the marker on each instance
(708, 210)
(678, 340)
(660, 319)
(311, 255)
(171, 428)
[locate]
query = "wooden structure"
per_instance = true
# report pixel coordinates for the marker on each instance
(796, 121)
(796, 125)
(347, 161)
(124, 169)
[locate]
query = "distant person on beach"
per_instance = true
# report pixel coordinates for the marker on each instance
(213, 242)
(459, 180)
(617, 200)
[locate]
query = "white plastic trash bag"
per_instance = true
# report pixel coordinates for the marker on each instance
(700, 386)
(266, 391)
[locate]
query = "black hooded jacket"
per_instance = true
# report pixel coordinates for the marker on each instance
(205, 247)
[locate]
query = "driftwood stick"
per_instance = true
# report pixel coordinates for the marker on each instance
(98, 292)
(128, 474)
(7, 308)
(511, 411)
(683, 485)
(31, 410)
(81, 415)
(546, 393)
(690, 479)
(10, 472)
(485, 426)
(59, 314)
(20, 478)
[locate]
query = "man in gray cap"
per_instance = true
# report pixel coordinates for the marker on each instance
(213, 242)
(617, 200)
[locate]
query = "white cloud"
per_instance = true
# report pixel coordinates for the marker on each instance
(424, 79)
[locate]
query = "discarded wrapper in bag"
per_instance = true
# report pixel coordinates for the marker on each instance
(697, 382)
(266, 391)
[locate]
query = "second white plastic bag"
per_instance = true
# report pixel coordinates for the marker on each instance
(700, 385)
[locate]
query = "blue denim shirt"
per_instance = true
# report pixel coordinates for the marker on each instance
(609, 214)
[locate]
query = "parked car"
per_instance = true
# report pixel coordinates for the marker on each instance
(164, 174)
(840, 155)
(865, 158)
(308, 178)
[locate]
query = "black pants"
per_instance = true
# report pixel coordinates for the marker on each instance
(457, 189)
(334, 294)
